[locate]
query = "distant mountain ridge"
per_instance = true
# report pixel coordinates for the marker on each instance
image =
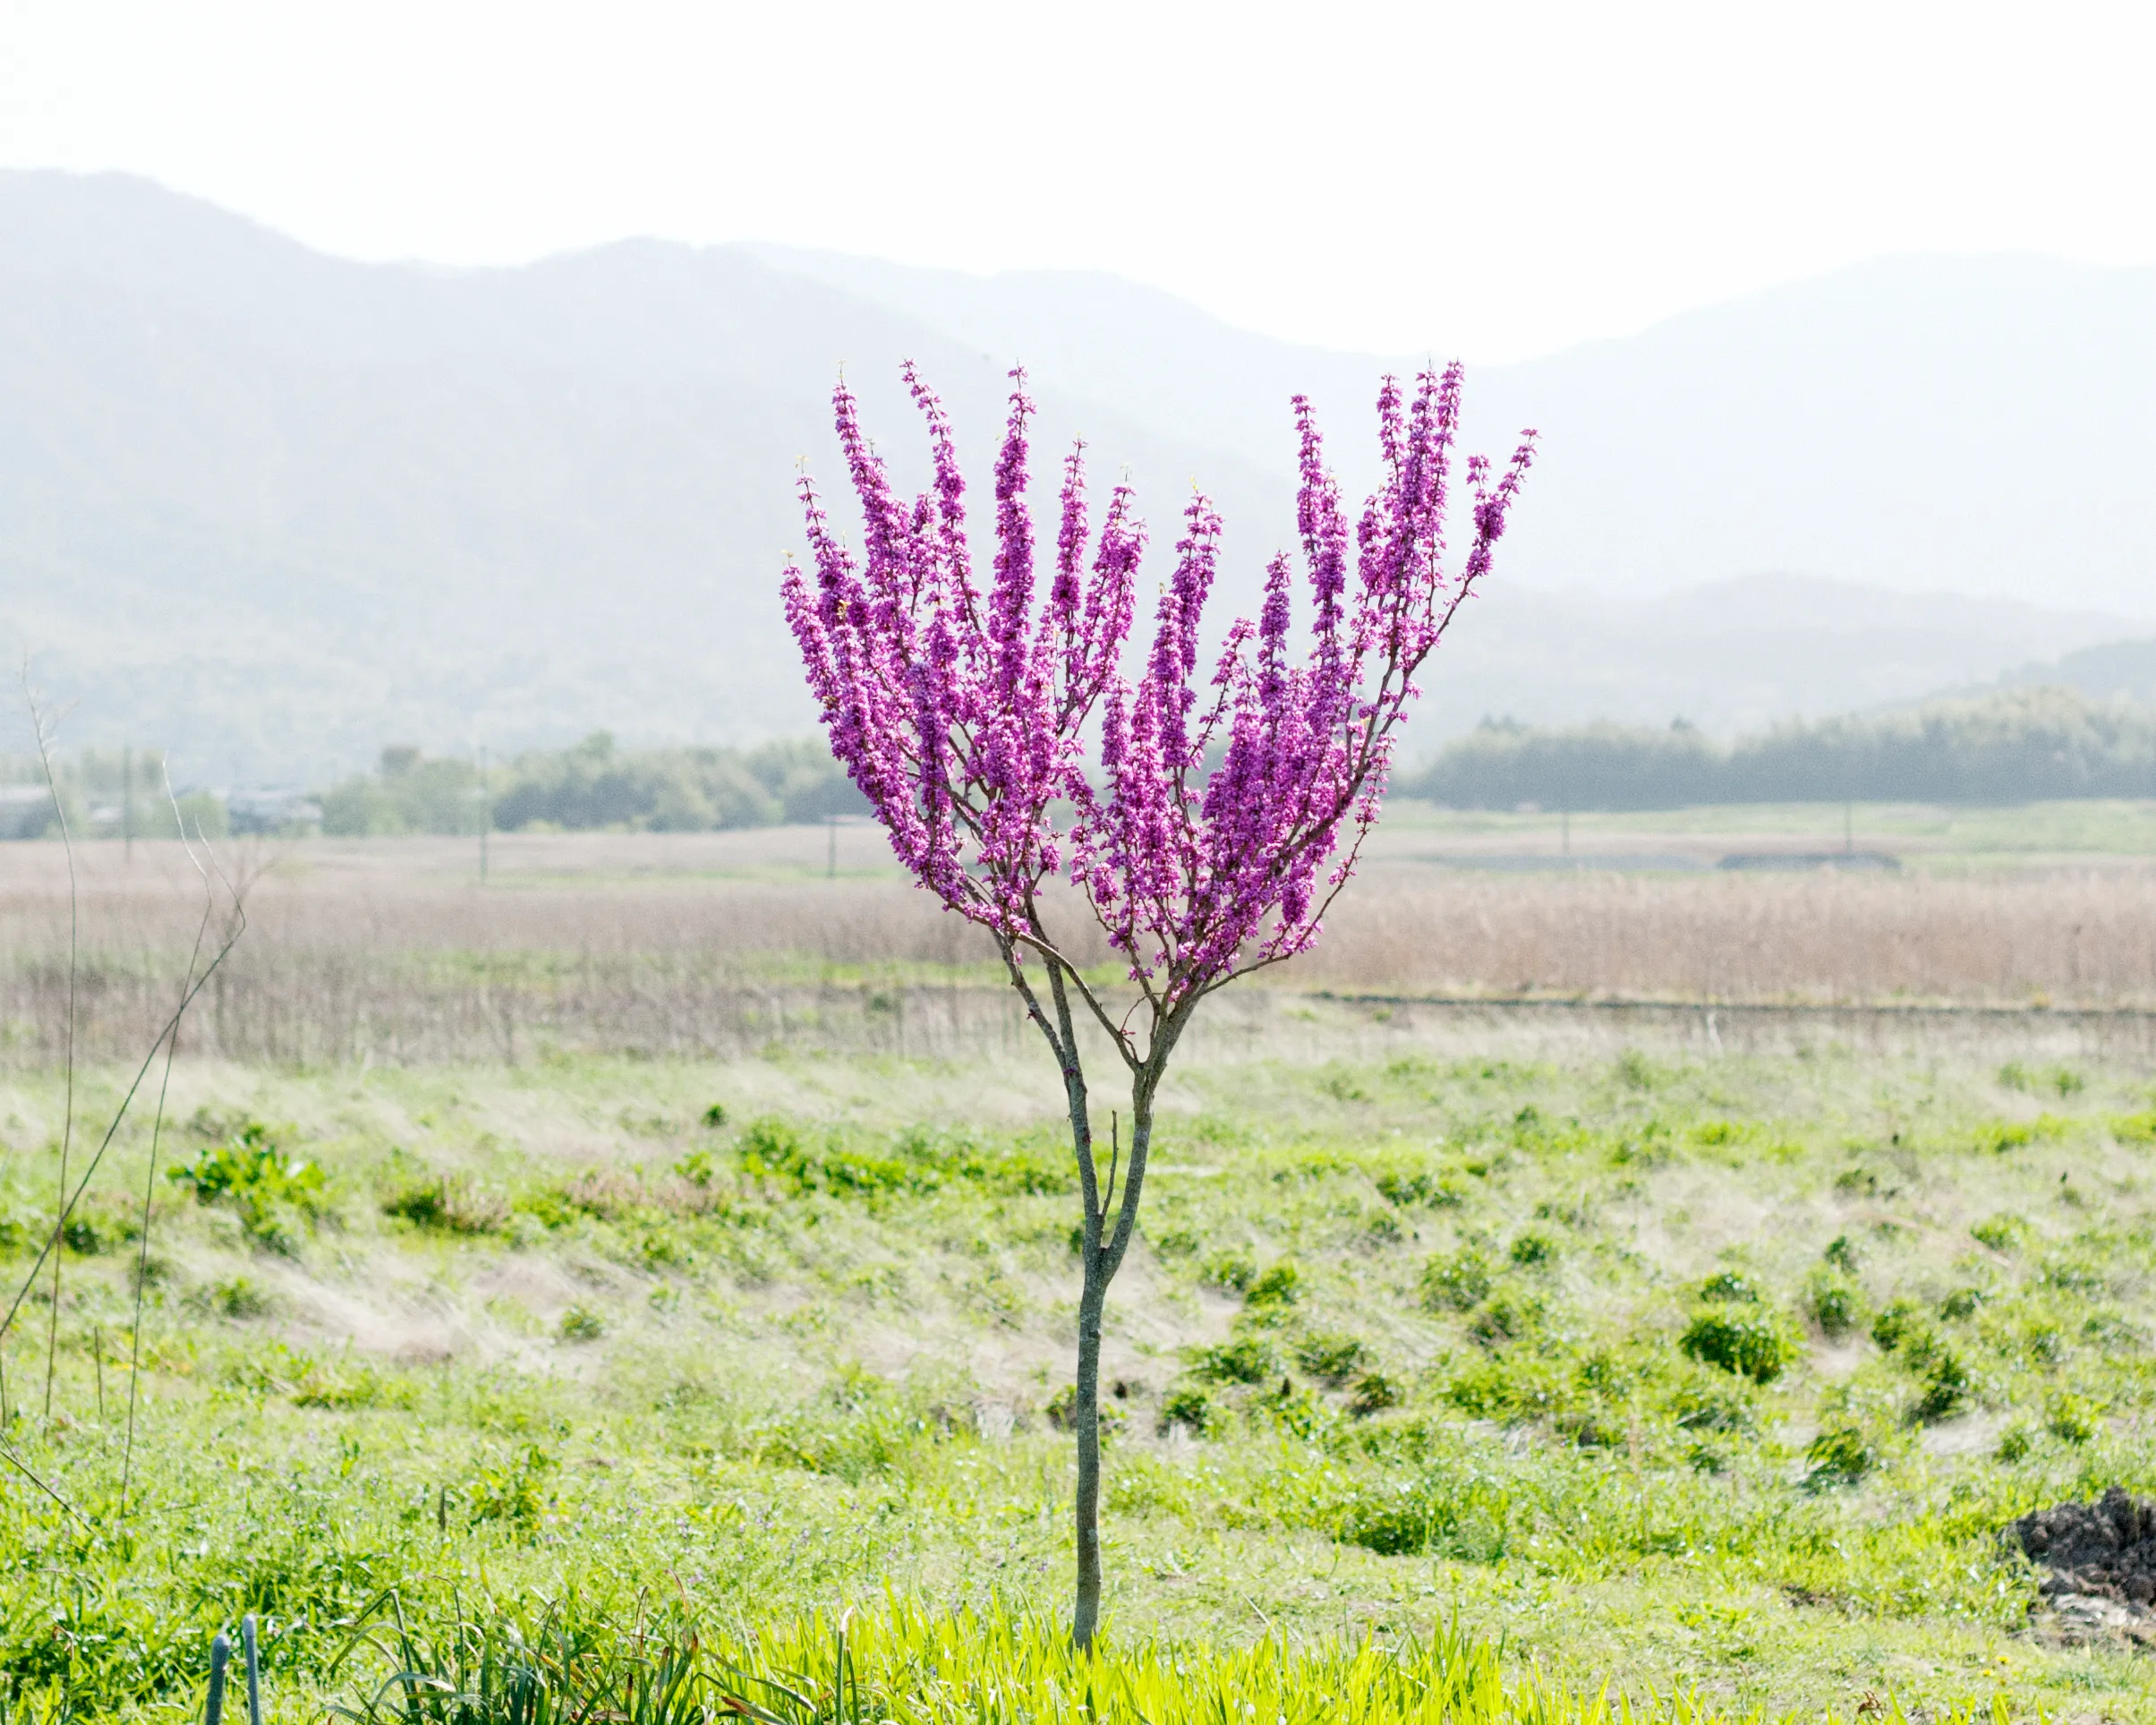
(1731, 656)
(2114, 670)
(274, 508)
(1977, 424)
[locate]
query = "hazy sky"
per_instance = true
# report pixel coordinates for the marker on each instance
(1494, 181)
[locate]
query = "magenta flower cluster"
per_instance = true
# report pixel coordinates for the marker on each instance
(999, 739)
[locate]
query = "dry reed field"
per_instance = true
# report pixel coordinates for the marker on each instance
(722, 944)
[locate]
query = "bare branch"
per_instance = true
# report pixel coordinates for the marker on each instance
(8, 1454)
(41, 729)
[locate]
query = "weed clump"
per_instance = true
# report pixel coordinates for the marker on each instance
(1191, 1409)
(1833, 1303)
(1231, 1268)
(1961, 1303)
(1898, 1321)
(1456, 1283)
(2071, 1419)
(1741, 1343)
(1329, 1358)
(916, 1161)
(1407, 1187)
(1946, 1388)
(278, 1200)
(450, 1207)
(1247, 1360)
(1281, 1286)
(513, 1490)
(2059, 1081)
(100, 1224)
(1373, 1393)
(1706, 1403)
(236, 1297)
(1507, 1317)
(1841, 1455)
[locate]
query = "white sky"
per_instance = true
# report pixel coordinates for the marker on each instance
(1494, 180)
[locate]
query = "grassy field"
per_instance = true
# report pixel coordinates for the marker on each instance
(1638, 1369)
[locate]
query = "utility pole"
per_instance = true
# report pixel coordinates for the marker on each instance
(127, 799)
(486, 814)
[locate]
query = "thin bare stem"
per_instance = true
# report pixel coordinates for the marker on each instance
(41, 729)
(8, 1454)
(149, 1180)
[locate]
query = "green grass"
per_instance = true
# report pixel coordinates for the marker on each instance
(1674, 1376)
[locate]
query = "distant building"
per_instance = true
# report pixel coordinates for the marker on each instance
(272, 809)
(24, 810)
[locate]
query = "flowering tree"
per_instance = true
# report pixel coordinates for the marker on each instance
(1003, 746)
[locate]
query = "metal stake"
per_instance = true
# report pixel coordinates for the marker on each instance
(254, 1671)
(220, 1650)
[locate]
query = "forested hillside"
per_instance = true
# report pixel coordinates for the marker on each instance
(2023, 745)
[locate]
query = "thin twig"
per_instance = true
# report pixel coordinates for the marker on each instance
(7, 1455)
(149, 1181)
(41, 730)
(134, 1350)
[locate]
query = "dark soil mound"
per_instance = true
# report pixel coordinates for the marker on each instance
(2105, 1550)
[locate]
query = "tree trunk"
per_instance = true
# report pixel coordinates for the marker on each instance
(1103, 1256)
(1085, 1614)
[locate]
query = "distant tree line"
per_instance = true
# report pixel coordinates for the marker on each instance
(595, 785)
(104, 793)
(2020, 746)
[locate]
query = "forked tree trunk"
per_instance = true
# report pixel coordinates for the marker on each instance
(1111, 1222)
(1104, 1255)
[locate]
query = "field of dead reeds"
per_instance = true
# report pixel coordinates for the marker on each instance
(716, 945)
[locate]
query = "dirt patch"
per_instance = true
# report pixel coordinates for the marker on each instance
(2099, 1563)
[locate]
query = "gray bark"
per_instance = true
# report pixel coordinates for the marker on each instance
(1111, 1221)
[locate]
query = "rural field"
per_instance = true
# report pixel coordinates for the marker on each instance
(1584, 1278)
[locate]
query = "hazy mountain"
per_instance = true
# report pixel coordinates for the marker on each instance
(1977, 424)
(275, 508)
(1731, 657)
(2114, 670)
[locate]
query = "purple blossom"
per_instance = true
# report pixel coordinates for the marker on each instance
(964, 716)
